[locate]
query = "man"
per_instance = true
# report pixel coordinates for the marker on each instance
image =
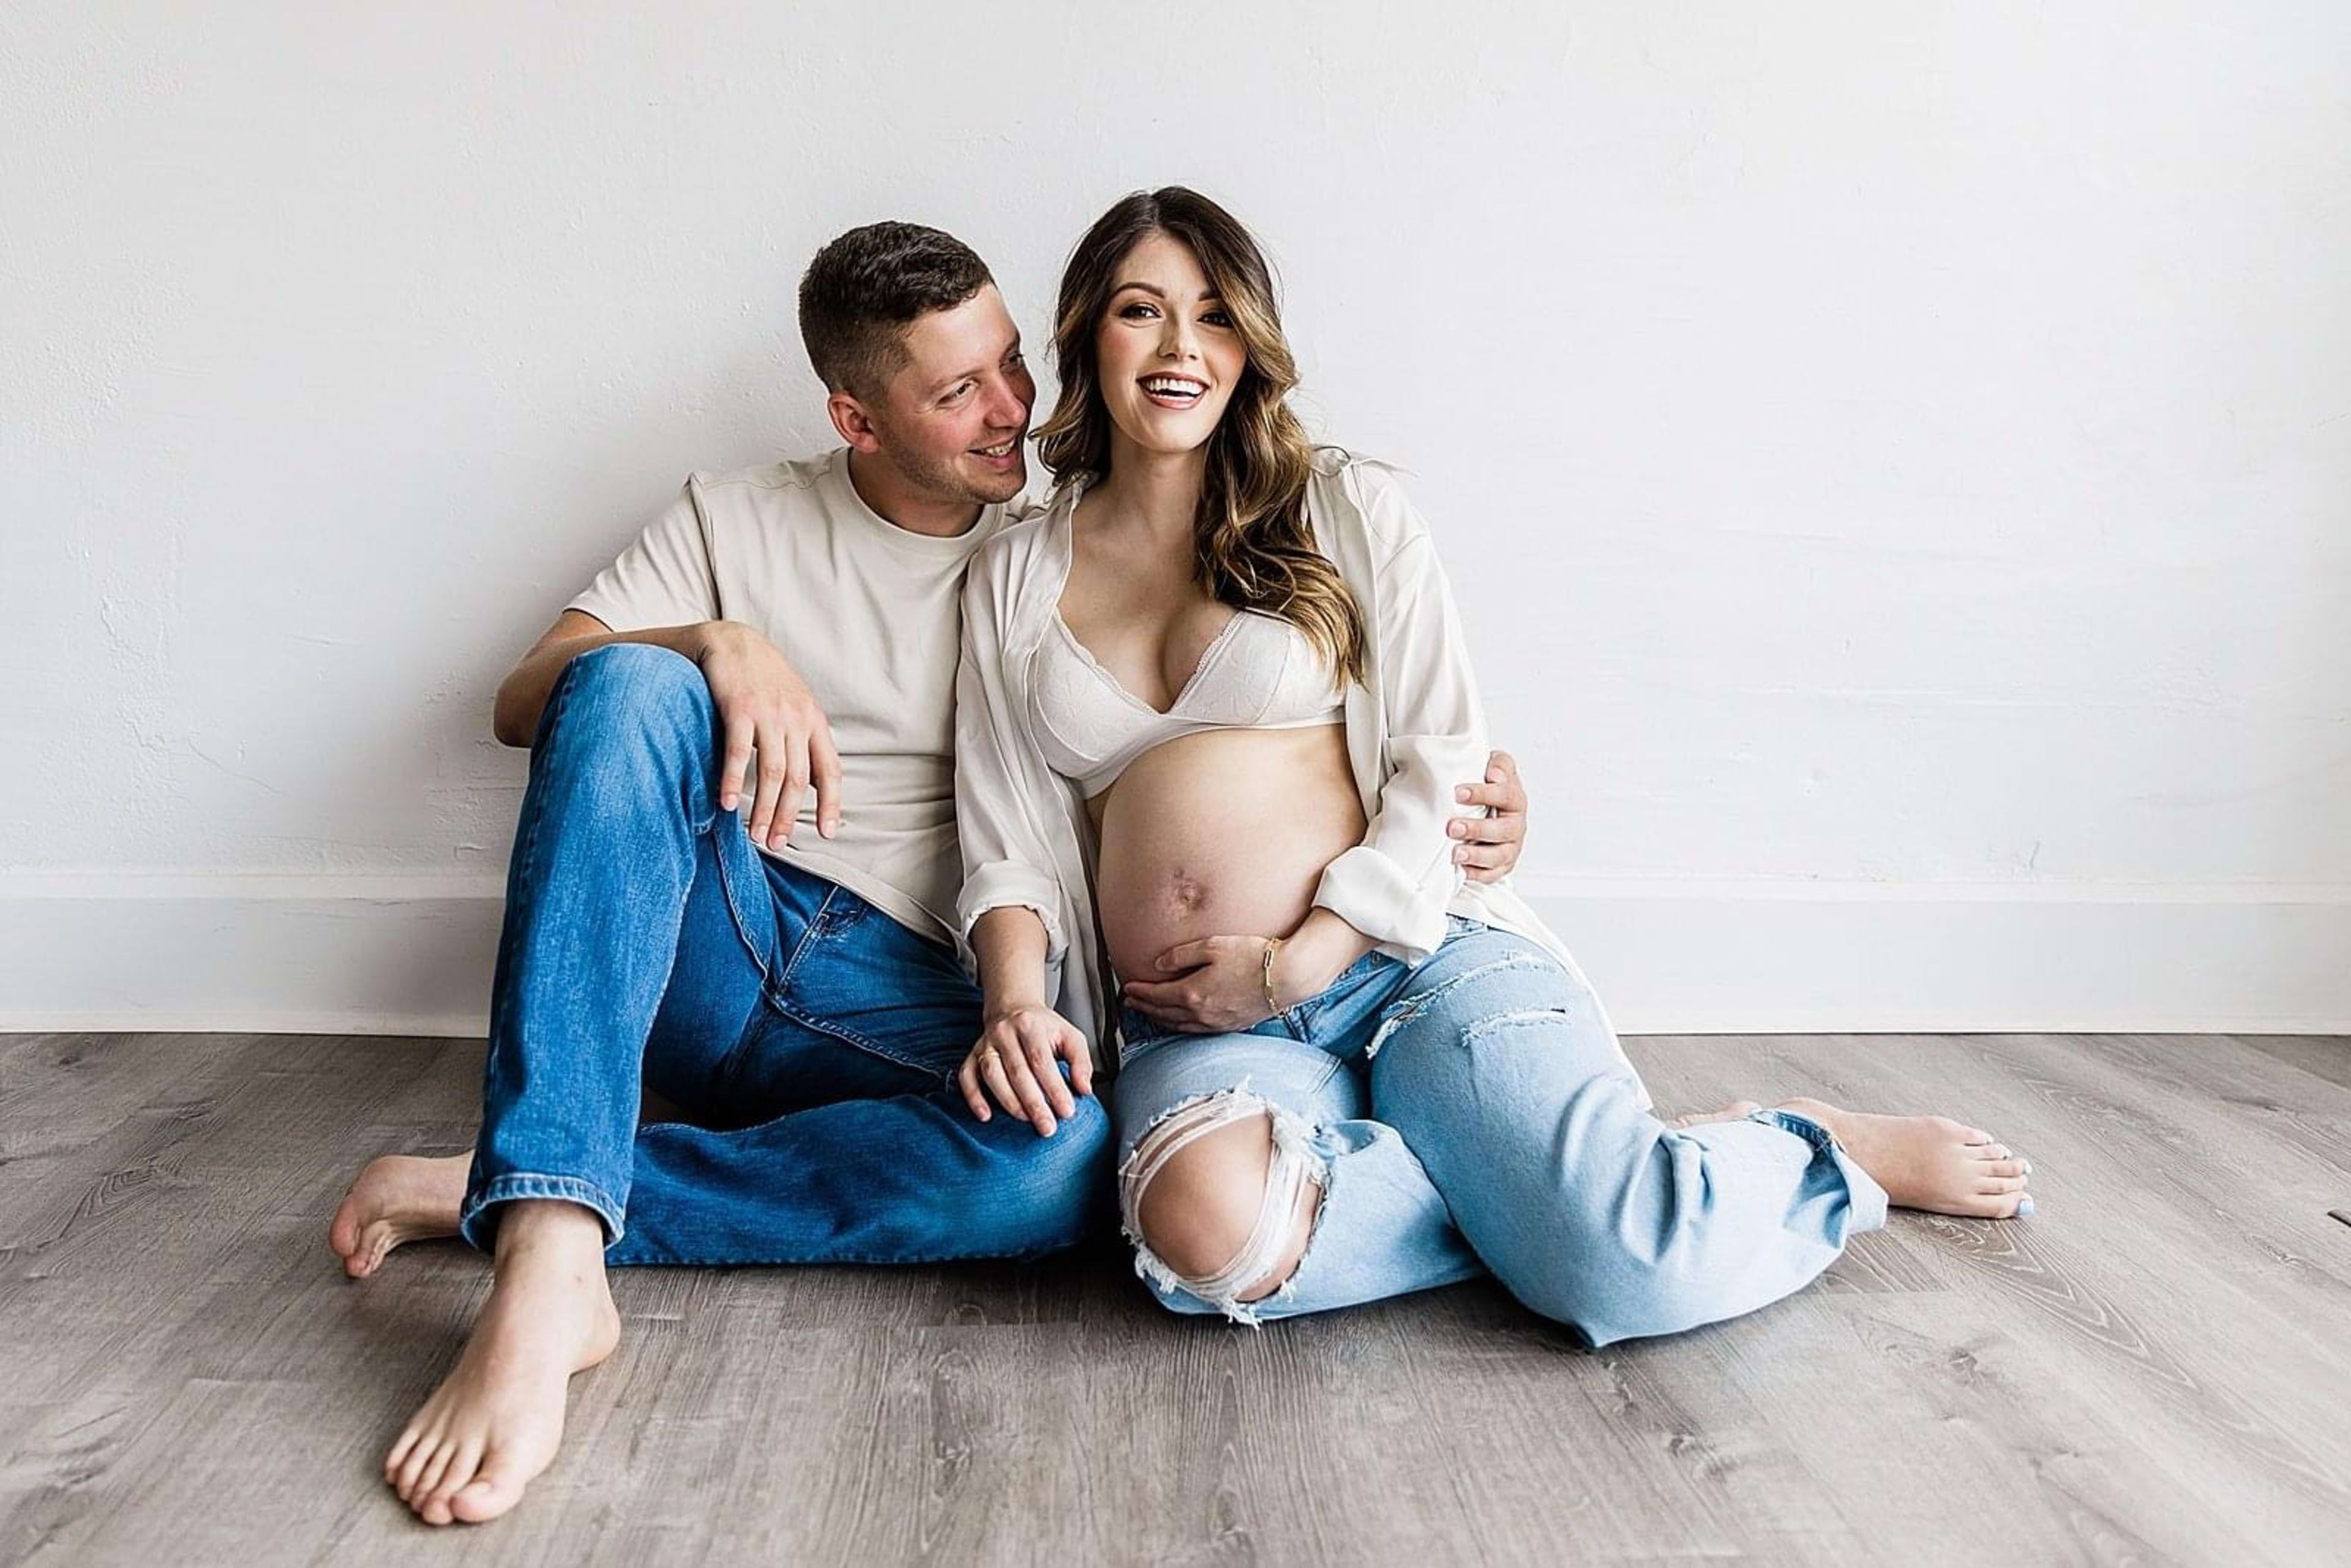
(792, 983)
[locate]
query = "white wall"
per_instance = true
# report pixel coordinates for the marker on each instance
(1893, 459)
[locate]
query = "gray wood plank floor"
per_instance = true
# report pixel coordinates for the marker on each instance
(2157, 1367)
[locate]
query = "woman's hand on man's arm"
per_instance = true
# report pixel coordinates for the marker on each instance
(1021, 1036)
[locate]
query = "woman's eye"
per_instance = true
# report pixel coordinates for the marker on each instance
(1217, 318)
(1136, 311)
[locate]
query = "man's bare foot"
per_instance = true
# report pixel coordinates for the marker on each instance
(398, 1199)
(1736, 1111)
(1928, 1162)
(495, 1423)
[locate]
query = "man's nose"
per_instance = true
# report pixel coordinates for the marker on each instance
(1008, 407)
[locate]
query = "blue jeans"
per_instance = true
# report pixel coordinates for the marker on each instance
(811, 1038)
(1470, 1115)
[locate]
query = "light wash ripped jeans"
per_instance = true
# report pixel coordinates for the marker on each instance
(1472, 1113)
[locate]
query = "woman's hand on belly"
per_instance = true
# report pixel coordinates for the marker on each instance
(1219, 985)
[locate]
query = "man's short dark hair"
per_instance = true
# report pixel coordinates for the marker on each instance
(863, 289)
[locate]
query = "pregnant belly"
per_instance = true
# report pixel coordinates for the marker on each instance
(1221, 833)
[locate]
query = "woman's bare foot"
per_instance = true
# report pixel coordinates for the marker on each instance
(495, 1423)
(1928, 1162)
(1736, 1111)
(398, 1199)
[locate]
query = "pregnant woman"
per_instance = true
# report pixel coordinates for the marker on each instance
(1212, 703)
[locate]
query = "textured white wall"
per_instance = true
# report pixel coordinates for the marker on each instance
(1895, 460)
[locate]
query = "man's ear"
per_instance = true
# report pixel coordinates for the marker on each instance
(850, 418)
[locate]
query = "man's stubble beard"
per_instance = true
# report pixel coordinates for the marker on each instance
(946, 478)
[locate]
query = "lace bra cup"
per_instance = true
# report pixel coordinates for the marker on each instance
(1260, 672)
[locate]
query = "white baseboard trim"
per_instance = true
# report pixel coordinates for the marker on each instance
(413, 955)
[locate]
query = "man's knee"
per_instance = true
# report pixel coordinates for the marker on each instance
(641, 672)
(1051, 1192)
(632, 691)
(1221, 1199)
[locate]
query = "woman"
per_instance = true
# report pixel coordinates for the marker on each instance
(1214, 698)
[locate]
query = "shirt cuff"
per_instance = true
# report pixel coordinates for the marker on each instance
(1371, 892)
(1004, 885)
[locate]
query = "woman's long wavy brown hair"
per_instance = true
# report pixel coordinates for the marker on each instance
(1254, 546)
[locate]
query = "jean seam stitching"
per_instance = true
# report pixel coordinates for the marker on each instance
(734, 908)
(807, 1018)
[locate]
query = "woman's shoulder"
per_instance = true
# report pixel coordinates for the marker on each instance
(1012, 556)
(1373, 489)
(1025, 532)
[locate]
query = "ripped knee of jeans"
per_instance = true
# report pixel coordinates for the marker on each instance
(1272, 1235)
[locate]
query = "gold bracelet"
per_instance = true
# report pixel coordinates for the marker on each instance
(1272, 945)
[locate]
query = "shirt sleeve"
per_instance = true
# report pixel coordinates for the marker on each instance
(1006, 861)
(665, 578)
(1395, 886)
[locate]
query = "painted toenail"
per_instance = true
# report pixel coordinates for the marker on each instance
(2023, 1207)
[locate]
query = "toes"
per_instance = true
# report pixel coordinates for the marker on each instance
(490, 1494)
(434, 1469)
(420, 1452)
(435, 1507)
(1989, 1184)
(413, 1467)
(399, 1451)
(1991, 1151)
(2004, 1167)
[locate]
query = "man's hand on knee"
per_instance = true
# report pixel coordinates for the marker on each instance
(763, 703)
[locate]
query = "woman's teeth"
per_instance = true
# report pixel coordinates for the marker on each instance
(1173, 392)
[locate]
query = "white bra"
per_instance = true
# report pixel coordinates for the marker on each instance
(1260, 672)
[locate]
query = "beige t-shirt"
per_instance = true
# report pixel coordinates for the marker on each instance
(869, 614)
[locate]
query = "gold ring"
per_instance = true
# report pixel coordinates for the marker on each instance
(990, 1054)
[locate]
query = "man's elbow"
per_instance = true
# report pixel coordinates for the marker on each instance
(508, 723)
